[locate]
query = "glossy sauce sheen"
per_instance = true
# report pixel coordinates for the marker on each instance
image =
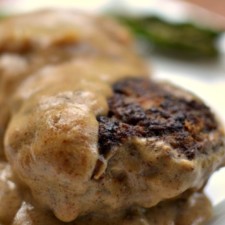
(64, 66)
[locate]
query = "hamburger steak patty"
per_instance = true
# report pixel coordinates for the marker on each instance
(144, 108)
(78, 155)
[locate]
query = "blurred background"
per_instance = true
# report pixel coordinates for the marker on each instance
(183, 41)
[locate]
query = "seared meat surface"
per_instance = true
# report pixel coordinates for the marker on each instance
(144, 108)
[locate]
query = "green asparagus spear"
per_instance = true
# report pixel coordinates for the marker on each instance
(183, 39)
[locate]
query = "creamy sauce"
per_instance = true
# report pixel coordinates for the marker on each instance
(184, 211)
(33, 42)
(65, 64)
(188, 209)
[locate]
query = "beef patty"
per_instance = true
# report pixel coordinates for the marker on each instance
(83, 150)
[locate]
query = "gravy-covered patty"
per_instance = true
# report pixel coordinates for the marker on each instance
(135, 142)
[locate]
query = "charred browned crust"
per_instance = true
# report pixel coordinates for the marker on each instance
(144, 108)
